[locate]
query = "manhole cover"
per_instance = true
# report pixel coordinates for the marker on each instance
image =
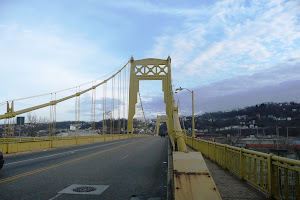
(84, 189)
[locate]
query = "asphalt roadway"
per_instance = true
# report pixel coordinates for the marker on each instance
(129, 167)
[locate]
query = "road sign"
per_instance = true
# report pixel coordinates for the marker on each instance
(20, 120)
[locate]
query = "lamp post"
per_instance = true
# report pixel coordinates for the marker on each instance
(193, 116)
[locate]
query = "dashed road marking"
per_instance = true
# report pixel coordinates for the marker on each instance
(124, 157)
(55, 196)
(63, 163)
(72, 151)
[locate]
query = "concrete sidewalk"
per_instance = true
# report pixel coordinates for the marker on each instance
(231, 186)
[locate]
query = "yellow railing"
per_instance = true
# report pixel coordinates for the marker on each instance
(35, 139)
(274, 175)
(14, 145)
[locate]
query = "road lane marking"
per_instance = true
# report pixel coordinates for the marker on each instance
(72, 151)
(55, 196)
(124, 157)
(63, 163)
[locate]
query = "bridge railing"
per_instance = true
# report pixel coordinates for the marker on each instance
(47, 138)
(274, 175)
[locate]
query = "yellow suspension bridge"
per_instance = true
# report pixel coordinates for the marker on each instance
(189, 172)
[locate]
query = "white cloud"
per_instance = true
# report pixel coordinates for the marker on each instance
(233, 38)
(34, 61)
(47, 62)
(279, 84)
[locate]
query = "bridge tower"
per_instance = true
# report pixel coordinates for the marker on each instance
(159, 119)
(150, 69)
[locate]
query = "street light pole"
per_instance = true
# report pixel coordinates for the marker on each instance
(193, 115)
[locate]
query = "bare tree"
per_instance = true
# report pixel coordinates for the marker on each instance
(32, 118)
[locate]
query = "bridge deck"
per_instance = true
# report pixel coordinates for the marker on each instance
(231, 186)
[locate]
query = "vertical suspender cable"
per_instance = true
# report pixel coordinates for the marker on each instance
(125, 102)
(93, 110)
(5, 128)
(104, 108)
(111, 102)
(113, 105)
(123, 86)
(54, 117)
(119, 81)
(50, 121)
(92, 107)
(127, 94)
(78, 110)
(95, 93)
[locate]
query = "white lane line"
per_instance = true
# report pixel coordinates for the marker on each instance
(72, 151)
(124, 157)
(55, 196)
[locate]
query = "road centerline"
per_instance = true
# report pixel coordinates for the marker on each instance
(124, 157)
(72, 151)
(63, 163)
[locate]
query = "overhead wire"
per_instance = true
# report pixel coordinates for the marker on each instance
(63, 90)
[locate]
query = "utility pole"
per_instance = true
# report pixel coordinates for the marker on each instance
(287, 132)
(277, 133)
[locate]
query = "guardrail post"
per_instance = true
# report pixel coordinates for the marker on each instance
(271, 183)
(242, 167)
(193, 143)
(225, 155)
(215, 153)
(207, 149)
(9, 148)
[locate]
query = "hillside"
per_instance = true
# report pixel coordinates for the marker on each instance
(258, 118)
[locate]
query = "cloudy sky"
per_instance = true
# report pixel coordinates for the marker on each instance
(232, 53)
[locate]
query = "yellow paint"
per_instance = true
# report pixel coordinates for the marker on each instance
(192, 179)
(3, 148)
(29, 144)
(262, 170)
(150, 69)
(155, 69)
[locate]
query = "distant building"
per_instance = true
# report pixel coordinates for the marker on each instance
(72, 127)
(234, 127)
(244, 117)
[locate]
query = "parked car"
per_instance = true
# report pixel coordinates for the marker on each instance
(1, 160)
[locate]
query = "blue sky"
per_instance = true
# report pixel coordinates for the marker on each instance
(51, 45)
